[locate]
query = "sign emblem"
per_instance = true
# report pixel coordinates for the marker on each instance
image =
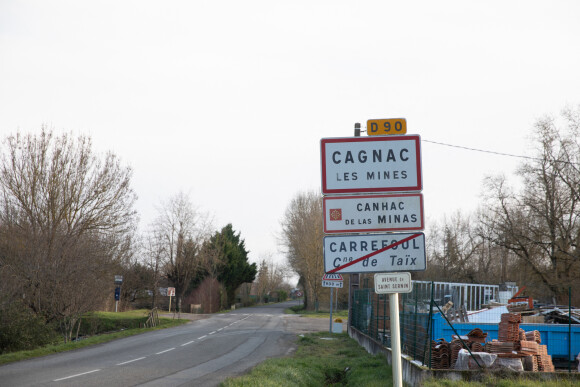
(336, 214)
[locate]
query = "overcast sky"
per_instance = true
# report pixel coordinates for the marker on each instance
(228, 100)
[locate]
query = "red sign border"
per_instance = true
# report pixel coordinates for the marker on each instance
(332, 279)
(358, 231)
(414, 137)
(412, 236)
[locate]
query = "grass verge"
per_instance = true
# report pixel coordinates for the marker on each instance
(507, 381)
(320, 362)
(108, 320)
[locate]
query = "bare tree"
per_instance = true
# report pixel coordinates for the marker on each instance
(541, 222)
(182, 229)
(66, 217)
(271, 277)
(453, 250)
(154, 253)
(212, 262)
(301, 237)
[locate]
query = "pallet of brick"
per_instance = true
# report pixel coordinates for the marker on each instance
(531, 363)
(545, 363)
(511, 318)
(534, 336)
(529, 347)
(508, 331)
(499, 346)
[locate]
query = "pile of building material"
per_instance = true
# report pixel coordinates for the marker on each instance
(514, 346)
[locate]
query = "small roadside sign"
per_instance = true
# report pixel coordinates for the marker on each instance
(333, 277)
(374, 253)
(371, 213)
(371, 164)
(332, 284)
(393, 283)
(386, 126)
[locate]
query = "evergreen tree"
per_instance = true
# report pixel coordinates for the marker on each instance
(236, 269)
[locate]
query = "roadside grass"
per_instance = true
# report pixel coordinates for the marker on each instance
(501, 381)
(299, 309)
(320, 362)
(110, 326)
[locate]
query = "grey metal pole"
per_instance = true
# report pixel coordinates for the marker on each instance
(351, 277)
(396, 340)
(330, 327)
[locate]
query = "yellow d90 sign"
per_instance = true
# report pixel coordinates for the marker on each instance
(388, 126)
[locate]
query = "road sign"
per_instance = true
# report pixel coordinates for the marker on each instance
(386, 126)
(402, 212)
(332, 284)
(371, 164)
(393, 283)
(374, 253)
(332, 277)
(171, 292)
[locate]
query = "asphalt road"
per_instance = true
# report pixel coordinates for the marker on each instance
(201, 353)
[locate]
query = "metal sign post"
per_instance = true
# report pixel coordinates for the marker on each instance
(393, 284)
(118, 282)
(332, 281)
(170, 293)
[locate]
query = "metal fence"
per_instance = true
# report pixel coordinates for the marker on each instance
(443, 315)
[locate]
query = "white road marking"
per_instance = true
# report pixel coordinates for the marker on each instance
(202, 337)
(74, 376)
(211, 333)
(131, 361)
(189, 342)
(167, 350)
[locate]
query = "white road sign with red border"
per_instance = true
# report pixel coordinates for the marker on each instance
(371, 213)
(371, 164)
(372, 253)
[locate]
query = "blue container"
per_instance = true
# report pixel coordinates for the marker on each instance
(555, 336)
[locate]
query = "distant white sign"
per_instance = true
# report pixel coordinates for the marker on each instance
(393, 283)
(371, 164)
(374, 253)
(402, 212)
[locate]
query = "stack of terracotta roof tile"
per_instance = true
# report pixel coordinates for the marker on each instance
(531, 363)
(534, 336)
(440, 354)
(544, 360)
(455, 346)
(509, 327)
(477, 335)
(495, 346)
(528, 347)
(476, 347)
